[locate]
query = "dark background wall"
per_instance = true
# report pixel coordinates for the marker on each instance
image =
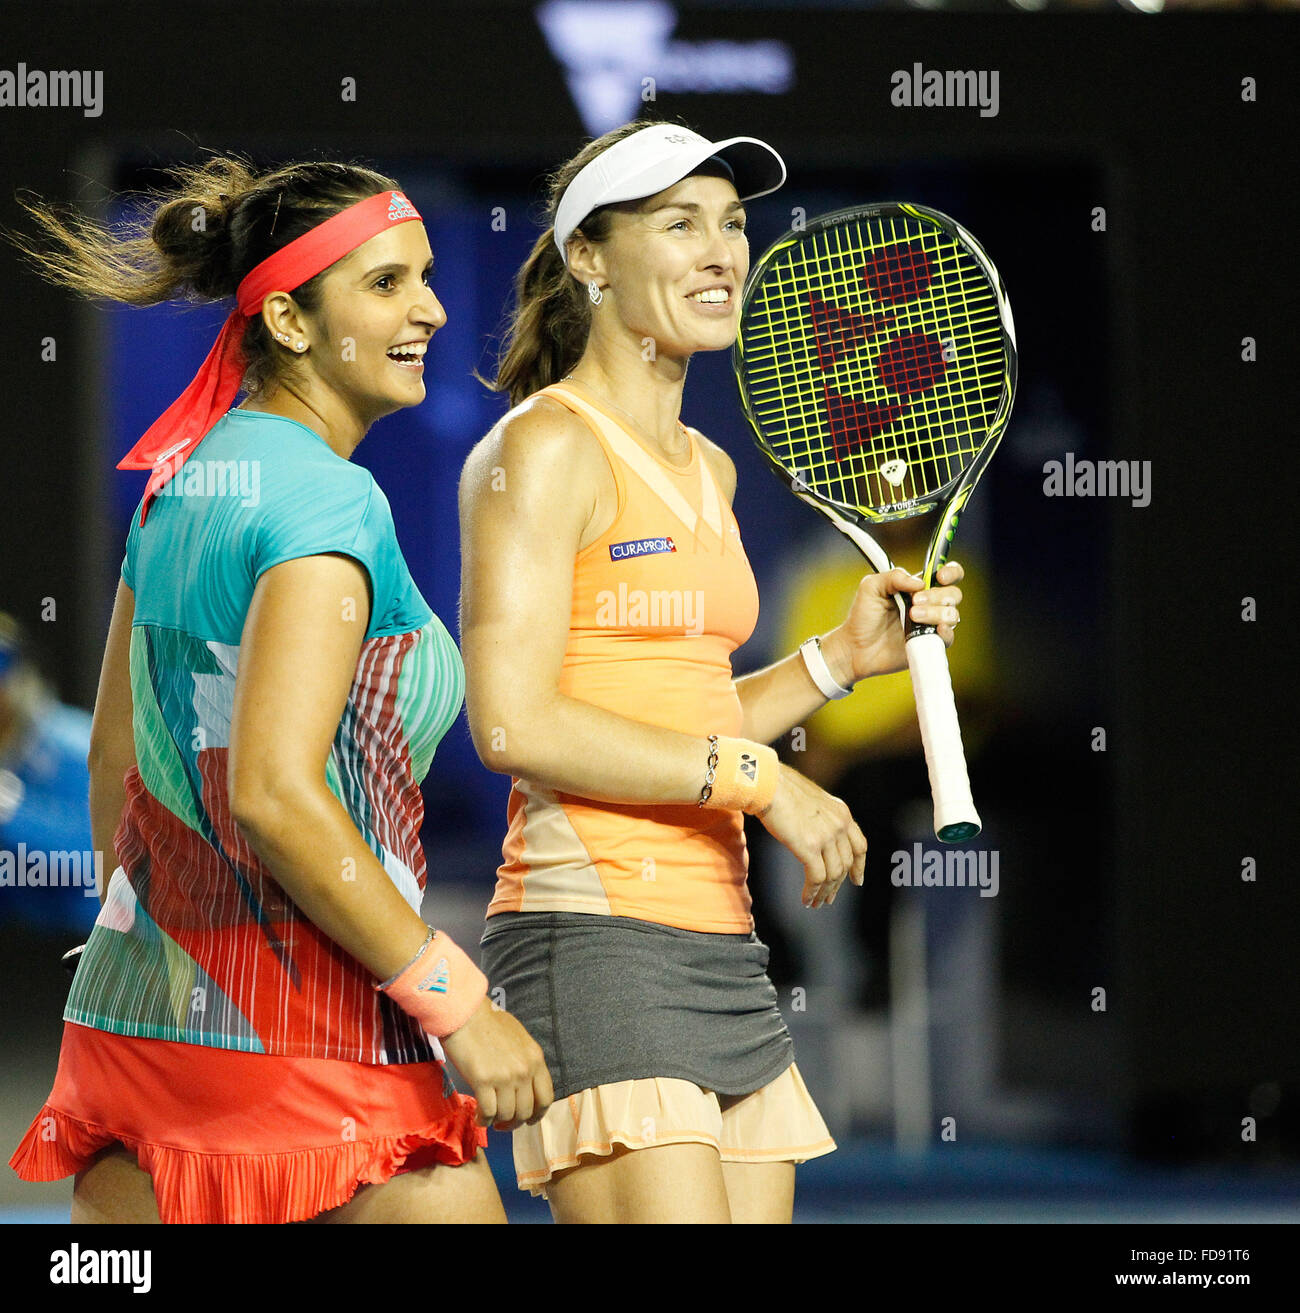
(1143, 116)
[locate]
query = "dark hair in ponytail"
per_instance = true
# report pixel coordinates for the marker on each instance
(548, 327)
(197, 238)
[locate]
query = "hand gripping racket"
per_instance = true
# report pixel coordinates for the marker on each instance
(876, 359)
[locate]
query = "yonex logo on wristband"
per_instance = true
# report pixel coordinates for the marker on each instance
(439, 980)
(400, 208)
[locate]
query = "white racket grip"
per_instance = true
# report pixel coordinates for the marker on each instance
(955, 817)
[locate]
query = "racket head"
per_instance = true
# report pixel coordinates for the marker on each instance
(876, 360)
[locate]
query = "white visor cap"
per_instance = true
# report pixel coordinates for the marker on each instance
(655, 158)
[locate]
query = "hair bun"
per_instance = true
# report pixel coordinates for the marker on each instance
(193, 234)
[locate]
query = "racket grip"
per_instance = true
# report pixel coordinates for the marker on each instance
(955, 817)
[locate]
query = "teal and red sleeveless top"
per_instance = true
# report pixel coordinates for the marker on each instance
(196, 942)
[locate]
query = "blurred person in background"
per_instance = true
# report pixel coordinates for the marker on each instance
(43, 785)
(620, 931)
(272, 692)
(868, 750)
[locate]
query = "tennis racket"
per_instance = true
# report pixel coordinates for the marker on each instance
(876, 359)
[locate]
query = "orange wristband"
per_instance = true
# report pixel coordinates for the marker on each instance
(743, 778)
(441, 987)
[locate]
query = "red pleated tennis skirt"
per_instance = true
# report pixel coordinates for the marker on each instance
(243, 1137)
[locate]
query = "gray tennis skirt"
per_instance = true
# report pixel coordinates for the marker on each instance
(610, 998)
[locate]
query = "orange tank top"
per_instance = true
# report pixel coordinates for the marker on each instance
(660, 602)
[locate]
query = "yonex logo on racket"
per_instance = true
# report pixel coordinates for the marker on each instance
(909, 365)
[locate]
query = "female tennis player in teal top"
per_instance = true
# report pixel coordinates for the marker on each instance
(253, 1031)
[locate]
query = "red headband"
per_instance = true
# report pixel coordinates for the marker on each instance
(183, 425)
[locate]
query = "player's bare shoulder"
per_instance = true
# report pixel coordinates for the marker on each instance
(723, 467)
(539, 441)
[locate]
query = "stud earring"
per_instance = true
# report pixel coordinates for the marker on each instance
(298, 346)
(594, 292)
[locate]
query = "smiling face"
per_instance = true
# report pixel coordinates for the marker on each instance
(675, 264)
(376, 318)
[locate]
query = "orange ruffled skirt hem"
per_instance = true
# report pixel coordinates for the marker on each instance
(228, 1136)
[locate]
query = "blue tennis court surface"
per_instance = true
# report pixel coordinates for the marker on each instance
(871, 1181)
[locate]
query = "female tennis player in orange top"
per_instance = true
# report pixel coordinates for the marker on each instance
(604, 590)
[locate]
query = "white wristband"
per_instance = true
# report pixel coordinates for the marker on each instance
(811, 651)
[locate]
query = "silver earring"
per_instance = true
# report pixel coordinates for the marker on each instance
(594, 292)
(299, 345)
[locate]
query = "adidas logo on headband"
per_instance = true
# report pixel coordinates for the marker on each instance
(400, 208)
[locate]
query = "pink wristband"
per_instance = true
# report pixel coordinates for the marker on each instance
(440, 988)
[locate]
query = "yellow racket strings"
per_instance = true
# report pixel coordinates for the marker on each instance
(836, 421)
